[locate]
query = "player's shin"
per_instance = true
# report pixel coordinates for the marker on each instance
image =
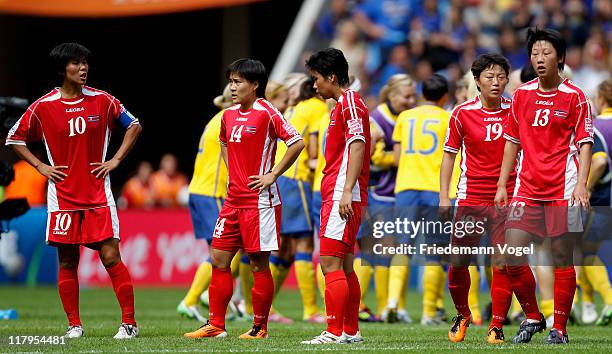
(262, 295)
(122, 284)
(221, 289)
(68, 288)
(351, 310)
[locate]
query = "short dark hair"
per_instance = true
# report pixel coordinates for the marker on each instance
(549, 35)
(435, 88)
(528, 73)
(251, 70)
(330, 61)
(65, 52)
(488, 60)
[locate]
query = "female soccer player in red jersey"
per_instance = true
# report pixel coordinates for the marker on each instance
(251, 214)
(75, 122)
(550, 120)
(475, 129)
(344, 194)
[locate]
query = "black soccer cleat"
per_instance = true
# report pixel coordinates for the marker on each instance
(557, 337)
(528, 329)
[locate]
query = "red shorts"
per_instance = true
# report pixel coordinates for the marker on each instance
(337, 237)
(473, 218)
(544, 218)
(254, 230)
(82, 226)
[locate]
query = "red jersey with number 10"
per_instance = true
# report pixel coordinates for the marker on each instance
(550, 126)
(478, 133)
(250, 138)
(76, 133)
(349, 121)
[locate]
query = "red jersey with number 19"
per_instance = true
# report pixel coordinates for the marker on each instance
(250, 138)
(477, 132)
(76, 133)
(349, 121)
(550, 126)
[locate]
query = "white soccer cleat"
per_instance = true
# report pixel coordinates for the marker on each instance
(190, 312)
(127, 331)
(403, 316)
(589, 313)
(325, 338)
(430, 321)
(74, 332)
(350, 339)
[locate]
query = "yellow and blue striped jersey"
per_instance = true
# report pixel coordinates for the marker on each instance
(304, 117)
(210, 173)
(421, 131)
(322, 131)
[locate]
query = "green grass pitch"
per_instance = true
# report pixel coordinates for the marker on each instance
(40, 313)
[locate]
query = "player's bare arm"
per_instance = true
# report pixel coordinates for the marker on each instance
(357, 151)
(264, 181)
(313, 145)
(510, 152)
(446, 173)
(397, 153)
(54, 173)
(581, 193)
(129, 139)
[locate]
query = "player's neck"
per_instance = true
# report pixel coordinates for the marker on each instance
(550, 83)
(338, 92)
(245, 106)
(490, 103)
(69, 90)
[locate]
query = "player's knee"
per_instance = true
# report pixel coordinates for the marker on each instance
(110, 258)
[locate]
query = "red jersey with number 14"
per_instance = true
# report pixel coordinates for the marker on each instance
(76, 133)
(250, 138)
(478, 133)
(550, 126)
(349, 121)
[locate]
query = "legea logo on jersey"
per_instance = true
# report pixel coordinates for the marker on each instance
(74, 109)
(544, 103)
(242, 119)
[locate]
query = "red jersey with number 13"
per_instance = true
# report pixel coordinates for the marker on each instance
(550, 126)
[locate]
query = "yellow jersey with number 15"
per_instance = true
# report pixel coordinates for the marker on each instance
(421, 132)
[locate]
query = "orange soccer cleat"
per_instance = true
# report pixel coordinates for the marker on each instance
(207, 330)
(257, 332)
(459, 328)
(495, 335)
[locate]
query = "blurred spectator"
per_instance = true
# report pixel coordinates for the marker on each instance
(596, 65)
(137, 191)
(349, 41)
(386, 23)
(167, 182)
(397, 64)
(519, 16)
(339, 11)
(28, 183)
(511, 48)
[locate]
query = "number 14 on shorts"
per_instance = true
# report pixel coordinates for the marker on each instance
(219, 227)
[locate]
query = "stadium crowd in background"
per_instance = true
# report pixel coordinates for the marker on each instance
(420, 37)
